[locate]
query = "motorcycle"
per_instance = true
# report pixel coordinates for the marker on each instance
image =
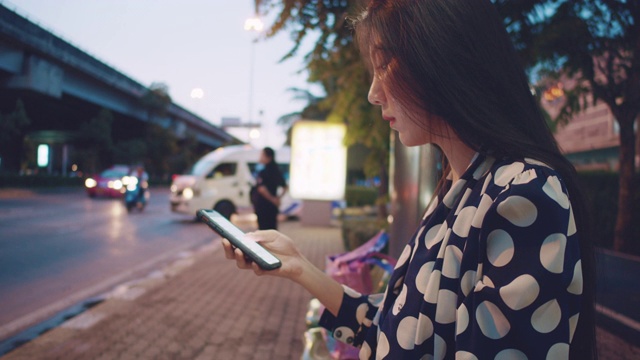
(136, 193)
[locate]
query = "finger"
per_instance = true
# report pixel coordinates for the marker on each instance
(257, 269)
(228, 249)
(241, 260)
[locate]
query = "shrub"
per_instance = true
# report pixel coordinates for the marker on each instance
(29, 181)
(601, 190)
(360, 195)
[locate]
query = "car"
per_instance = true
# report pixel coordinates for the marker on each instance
(109, 183)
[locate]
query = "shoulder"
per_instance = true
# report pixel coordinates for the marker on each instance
(526, 194)
(525, 176)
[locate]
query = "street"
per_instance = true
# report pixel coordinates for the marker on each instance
(59, 247)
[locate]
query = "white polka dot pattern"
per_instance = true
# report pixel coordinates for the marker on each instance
(546, 317)
(576, 281)
(462, 226)
(493, 272)
(552, 252)
(521, 292)
(446, 310)
(383, 346)
(499, 248)
(407, 332)
(573, 324)
(440, 348)
(435, 235)
(506, 173)
(462, 321)
(558, 351)
(425, 329)
(451, 263)
(553, 189)
(518, 210)
(492, 321)
(465, 355)
(510, 354)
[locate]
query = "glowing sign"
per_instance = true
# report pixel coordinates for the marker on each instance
(43, 155)
(318, 161)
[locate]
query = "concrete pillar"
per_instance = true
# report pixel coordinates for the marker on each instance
(413, 175)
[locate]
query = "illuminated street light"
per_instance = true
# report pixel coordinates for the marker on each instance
(254, 133)
(252, 24)
(197, 93)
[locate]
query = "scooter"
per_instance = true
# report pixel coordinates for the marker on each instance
(136, 193)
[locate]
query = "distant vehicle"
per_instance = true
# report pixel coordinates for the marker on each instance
(136, 192)
(222, 180)
(108, 183)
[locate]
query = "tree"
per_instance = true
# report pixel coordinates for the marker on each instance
(12, 132)
(314, 110)
(162, 144)
(156, 100)
(335, 63)
(597, 44)
(95, 144)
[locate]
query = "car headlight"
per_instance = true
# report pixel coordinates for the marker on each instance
(115, 184)
(90, 183)
(174, 188)
(187, 193)
(131, 186)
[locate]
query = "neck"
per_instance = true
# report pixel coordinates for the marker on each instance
(459, 156)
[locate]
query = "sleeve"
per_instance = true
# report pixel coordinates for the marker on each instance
(282, 181)
(355, 317)
(526, 300)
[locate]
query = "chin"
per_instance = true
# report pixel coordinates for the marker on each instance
(409, 142)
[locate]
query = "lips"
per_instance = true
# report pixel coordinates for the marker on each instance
(390, 119)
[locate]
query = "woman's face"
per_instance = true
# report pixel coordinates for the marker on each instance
(401, 118)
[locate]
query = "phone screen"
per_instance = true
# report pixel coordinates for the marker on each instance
(226, 229)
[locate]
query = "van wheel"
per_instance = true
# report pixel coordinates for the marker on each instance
(226, 208)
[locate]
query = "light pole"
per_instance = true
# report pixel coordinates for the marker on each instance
(252, 24)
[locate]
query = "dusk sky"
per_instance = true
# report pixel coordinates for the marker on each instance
(187, 45)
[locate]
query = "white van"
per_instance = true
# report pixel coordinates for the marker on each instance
(222, 179)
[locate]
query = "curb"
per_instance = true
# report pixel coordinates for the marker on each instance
(89, 312)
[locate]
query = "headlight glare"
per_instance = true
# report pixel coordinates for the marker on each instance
(90, 183)
(187, 193)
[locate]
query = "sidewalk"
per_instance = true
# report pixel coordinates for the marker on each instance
(205, 308)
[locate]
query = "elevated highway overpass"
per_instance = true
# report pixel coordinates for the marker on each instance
(62, 87)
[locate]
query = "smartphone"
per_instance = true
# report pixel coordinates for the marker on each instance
(236, 237)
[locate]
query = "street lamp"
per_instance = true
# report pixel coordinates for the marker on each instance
(252, 24)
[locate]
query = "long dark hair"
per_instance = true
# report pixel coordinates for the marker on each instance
(454, 59)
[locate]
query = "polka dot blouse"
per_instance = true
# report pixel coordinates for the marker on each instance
(493, 272)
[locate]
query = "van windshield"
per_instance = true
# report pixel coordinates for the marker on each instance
(201, 168)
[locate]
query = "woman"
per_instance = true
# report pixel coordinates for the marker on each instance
(501, 265)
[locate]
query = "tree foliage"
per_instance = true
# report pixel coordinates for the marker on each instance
(95, 145)
(596, 43)
(12, 132)
(156, 99)
(334, 62)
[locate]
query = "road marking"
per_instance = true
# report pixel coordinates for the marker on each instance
(618, 317)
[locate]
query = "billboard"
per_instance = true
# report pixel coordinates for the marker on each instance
(318, 161)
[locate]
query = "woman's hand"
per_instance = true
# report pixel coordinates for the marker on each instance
(294, 267)
(280, 245)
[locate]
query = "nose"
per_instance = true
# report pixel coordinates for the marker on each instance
(376, 93)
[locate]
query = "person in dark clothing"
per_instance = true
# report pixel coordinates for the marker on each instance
(267, 202)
